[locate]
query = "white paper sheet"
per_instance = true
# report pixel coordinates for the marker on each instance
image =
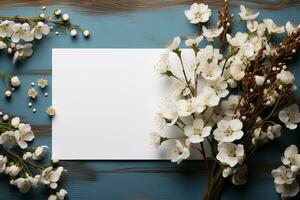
(106, 100)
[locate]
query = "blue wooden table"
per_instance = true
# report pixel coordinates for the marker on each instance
(131, 24)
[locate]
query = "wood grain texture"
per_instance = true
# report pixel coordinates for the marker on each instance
(151, 28)
(108, 6)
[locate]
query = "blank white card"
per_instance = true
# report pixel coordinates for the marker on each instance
(106, 100)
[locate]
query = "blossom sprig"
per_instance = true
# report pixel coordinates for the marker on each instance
(285, 176)
(200, 106)
(24, 164)
(17, 33)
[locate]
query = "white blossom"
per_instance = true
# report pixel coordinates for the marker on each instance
(23, 135)
(39, 152)
(12, 170)
(259, 80)
(245, 14)
(273, 131)
(198, 13)
(162, 65)
(272, 27)
(290, 28)
(15, 122)
(25, 184)
(40, 29)
(210, 71)
(174, 44)
(193, 41)
(179, 87)
(290, 116)
(220, 86)
(155, 139)
(283, 175)
(230, 106)
(252, 25)
(22, 52)
(208, 98)
(237, 69)
(21, 31)
(3, 45)
(61, 194)
(185, 107)
(15, 81)
(168, 110)
(288, 190)
(286, 77)
(291, 158)
(179, 152)
(212, 33)
(228, 130)
(8, 138)
(49, 175)
(27, 156)
(238, 40)
(230, 154)
(159, 121)
(6, 28)
(197, 132)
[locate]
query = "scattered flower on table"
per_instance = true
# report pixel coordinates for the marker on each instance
(42, 83)
(32, 93)
(51, 111)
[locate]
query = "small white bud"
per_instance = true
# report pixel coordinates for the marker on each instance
(73, 33)
(294, 51)
(57, 12)
(268, 81)
(65, 17)
(56, 33)
(284, 67)
(42, 15)
(280, 87)
(44, 8)
(15, 81)
(251, 90)
(5, 118)
(9, 50)
(7, 93)
(86, 33)
(274, 68)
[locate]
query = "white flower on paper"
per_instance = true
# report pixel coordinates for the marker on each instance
(6, 29)
(198, 13)
(197, 132)
(208, 98)
(21, 31)
(252, 25)
(168, 110)
(212, 33)
(22, 52)
(185, 107)
(193, 41)
(174, 44)
(272, 27)
(291, 158)
(40, 29)
(230, 154)
(210, 71)
(155, 139)
(246, 14)
(3, 162)
(283, 175)
(39, 152)
(286, 77)
(25, 184)
(159, 121)
(179, 152)
(228, 130)
(24, 135)
(15, 81)
(239, 175)
(15, 122)
(49, 175)
(290, 116)
(162, 65)
(179, 87)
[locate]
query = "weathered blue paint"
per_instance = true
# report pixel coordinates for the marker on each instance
(117, 180)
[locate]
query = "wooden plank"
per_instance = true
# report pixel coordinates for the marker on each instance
(108, 6)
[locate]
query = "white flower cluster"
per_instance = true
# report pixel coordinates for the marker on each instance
(285, 176)
(16, 32)
(20, 162)
(200, 107)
